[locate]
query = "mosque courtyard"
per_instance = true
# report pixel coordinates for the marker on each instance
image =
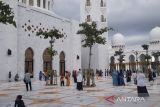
(57, 96)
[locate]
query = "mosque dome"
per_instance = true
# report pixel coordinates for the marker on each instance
(118, 40)
(155, 34)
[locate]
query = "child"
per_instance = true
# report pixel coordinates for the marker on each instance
(62, 80)
(19, 102)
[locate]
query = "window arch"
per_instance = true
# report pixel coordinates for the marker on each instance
(131, 58)
(44, 3)
(88, 18)
(102, 4)
(47, 61)
(132, 63)
(102, 18)
(142, 62)
(31, 2)
(38, 3)
(29, 60)
(62, 63)
(24, 1)
(49, 5)
(88, 3)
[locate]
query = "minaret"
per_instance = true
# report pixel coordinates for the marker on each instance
(95, 10)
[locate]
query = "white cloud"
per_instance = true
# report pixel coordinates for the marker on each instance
(129, 17)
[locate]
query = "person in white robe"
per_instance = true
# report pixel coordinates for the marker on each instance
(79, 81)
(141, 85)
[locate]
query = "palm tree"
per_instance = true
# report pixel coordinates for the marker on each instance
(92, 37)
(6, 14)
(147, 57)
(52, 34)
(121, 57)
(156, 55)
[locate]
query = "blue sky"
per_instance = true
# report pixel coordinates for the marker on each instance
(133, 18)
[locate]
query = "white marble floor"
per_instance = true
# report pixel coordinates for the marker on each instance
(57, 96)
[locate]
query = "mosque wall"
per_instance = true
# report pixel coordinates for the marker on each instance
(29, 20)
(8, 43)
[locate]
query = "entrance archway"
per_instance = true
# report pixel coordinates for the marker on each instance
(47, 61)
(132, 63)
(29, 61)
(142, 62)
(62, 63)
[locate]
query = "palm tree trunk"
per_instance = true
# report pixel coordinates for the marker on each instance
(51, 75)
(89, 70)
(90, 53)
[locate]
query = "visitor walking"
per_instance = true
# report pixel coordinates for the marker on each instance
(128, 76)
(55, 77)
(40, 75)
(84, 76)
(16, 78)
(67, 78)
(10, 76)
(121, 78)
(141, 86)
(154, 75)
(62, 80)
(27, 80)
(115, 77)
(19, 102)
(79, 81)
(75, 76)
(134, 76)
(150, 75)
(105, 73)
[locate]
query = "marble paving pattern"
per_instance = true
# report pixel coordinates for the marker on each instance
(68, 96)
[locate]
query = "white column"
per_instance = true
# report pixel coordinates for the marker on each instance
(35, 3)
(51, 5)
(46, 4)
(27, 2)
(20, 1)
(127, 66)
(41, 4)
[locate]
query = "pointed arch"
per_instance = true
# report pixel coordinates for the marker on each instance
(142, 62)
(38, 3)
(44, 3)
(31, 2)
(47, 61)
(62, 63)
(29, 63)
(102, 3)
(132, 63)
(24, 1)
(88, 19)
(88, 3)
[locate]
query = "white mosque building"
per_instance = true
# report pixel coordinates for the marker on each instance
(135, 55)
(22, 50)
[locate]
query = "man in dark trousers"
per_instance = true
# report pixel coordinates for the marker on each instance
(27, 80)
(9, 76)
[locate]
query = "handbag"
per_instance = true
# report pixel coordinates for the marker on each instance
(24, 80)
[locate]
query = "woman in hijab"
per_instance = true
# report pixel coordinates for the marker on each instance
(121, 78)
(115, 77)
(67, 78)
